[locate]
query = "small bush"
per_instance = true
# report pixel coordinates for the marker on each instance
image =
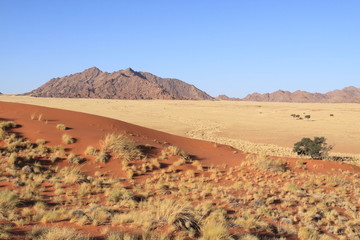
(67, 139)
(7, 125)
(174, 151)
(102, 157)
(266, 163)
(72, 175)
(72, 158)
(122, 146)
(91, 151)
(317, 148)
(61, 126)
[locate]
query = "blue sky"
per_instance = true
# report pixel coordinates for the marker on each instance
(231, 47)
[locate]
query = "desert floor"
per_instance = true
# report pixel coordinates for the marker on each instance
(65, 173)
(248, 126)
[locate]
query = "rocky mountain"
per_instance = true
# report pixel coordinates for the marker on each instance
(347, 95)
(123, 84)
(224, 97)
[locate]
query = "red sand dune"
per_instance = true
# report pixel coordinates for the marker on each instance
(90, 129)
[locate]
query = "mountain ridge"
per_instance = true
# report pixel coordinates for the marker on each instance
(122, 84)
(349, 94)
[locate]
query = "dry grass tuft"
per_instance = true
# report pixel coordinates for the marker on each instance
(8, 201)
(174, 151)
(61, 126)
(55, 233)
(266, 163)
(122, 146)
(91, 151)
(103, 157)
(67, 139)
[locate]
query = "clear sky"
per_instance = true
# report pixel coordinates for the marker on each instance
(231, 47)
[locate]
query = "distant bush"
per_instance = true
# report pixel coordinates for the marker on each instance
(316, 148)
(61, 126)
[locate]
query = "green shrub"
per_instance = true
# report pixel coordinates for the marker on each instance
(317, 148)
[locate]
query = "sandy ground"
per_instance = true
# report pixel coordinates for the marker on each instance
(224, 169)
(248, 126)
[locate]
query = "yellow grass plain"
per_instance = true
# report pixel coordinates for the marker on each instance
(248, 126)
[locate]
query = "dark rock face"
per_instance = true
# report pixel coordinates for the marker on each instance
(347, 95)
(123, 84)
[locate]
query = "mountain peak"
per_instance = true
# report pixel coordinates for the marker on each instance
(92, 69)
(122, 84)
(350, 88)
(129, 72)
(92, 72)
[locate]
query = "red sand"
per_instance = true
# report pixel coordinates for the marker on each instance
(90, 129)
